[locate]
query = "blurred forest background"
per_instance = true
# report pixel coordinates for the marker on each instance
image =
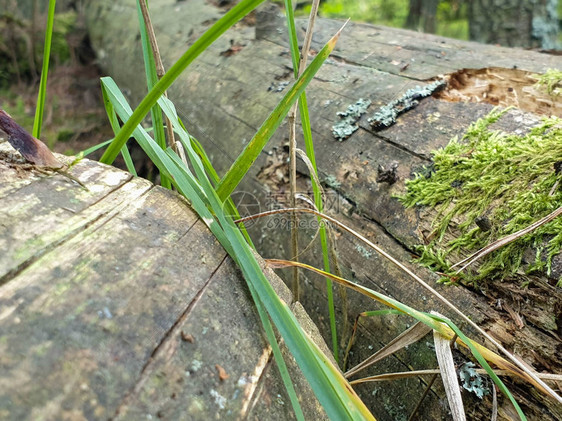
(512, 23)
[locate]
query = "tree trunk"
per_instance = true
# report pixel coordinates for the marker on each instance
(422, 16)
(514, 23)
(414, 15)
(429, 12)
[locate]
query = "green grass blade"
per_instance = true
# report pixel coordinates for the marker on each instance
(483, 363)
(434, 322)
(245, 160)
(229, 19)
(332, 390)
(326, 380)
(151, 80)
(293, 40)
(123, 110)
(94, 148)
(213, 175)
(128, 160)
(42, 95)
(114, 122)
(309, 145)
(285, 376)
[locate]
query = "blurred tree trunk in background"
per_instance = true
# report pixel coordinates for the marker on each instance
(422, 15)
(514, 23)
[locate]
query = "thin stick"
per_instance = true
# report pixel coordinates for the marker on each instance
(292, 119)
(420, 281)
(160, 71)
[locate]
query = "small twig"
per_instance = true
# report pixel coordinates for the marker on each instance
(160, 71)
(425, 393)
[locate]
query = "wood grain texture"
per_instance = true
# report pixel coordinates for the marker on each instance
(116, 302)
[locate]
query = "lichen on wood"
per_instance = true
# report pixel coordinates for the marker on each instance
(386, 115)
(348, 123)
(487, 185)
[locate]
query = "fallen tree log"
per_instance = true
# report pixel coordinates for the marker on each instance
(117, 302)
(227, 93)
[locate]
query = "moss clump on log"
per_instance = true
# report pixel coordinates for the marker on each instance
(488, 185)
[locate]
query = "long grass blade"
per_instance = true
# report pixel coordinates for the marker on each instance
(332, 390)
(483, 355)
(515, 364)
(115, 126)
(218, 28)
(245, 160)
(445, 328)
(151, 81)
(42, 95)
(316, 188)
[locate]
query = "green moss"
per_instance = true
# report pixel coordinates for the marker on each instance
(551, 81)
(487, 185)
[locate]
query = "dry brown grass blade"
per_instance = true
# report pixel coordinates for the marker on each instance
(430, 372)
(486, 353)
(526, 373)
(449, 376)
(408, 337)
(505, 241)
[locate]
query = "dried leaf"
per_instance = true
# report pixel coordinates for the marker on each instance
(408, 337)
(449, 375)
(31, 148)
(223, 375)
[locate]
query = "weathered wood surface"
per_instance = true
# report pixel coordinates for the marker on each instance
(117, 302)
(227, 93)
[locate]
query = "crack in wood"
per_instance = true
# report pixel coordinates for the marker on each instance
(394, 144)
(13, 273)
(160, 348)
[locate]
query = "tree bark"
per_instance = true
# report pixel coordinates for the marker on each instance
(514, 23)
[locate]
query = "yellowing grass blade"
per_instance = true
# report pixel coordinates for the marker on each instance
(441, 325)
(230, 18)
